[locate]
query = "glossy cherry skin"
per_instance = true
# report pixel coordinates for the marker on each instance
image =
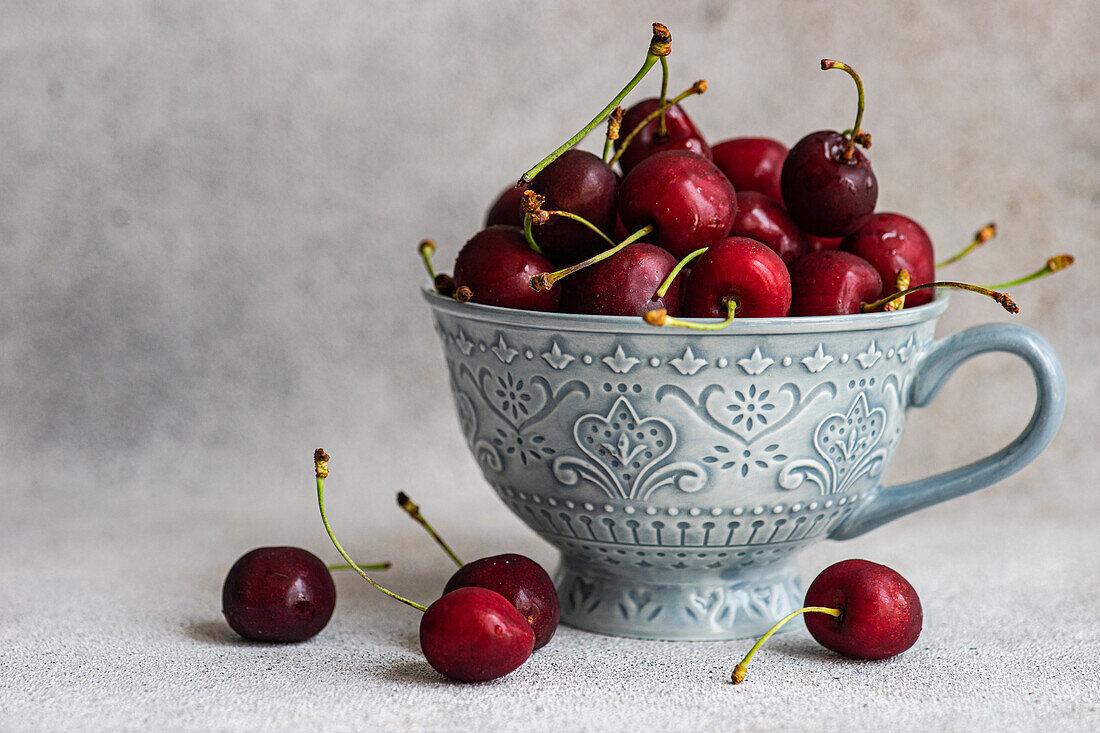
(893, 242)
(624, 284)
(582, 184)
(523, 582)
(681, 134)
(764, 219)
(278, 594)
(831, 283)
(474, 634)
(497, 265)
(506, 209)
(881, 613)
(752, 164)
(689, 200)
(825, 194)
(741, 268)
(819, 244)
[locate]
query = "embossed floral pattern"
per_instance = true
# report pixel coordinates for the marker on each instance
(744, 460)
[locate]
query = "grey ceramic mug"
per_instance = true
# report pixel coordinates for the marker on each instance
(678, 472)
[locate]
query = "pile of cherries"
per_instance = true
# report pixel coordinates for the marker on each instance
(744, 228)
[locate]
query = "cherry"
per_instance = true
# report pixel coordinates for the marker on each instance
(765, 220)
(818, 244)
(831, 283)
(278, 594)
(856, 608)
(474, 634)
(582, 184)
(506, 210)
(893, 242)
(752, 164)
(522, 582)
(625, 284)
(689, 200)
(828, 186)
(681, 134)
(497, 266)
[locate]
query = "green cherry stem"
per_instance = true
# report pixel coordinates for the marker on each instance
(660, 317)
(528, 233)
(660, 45)
(320, 465)
(582, 220)
(427, 249)
(662, 129)
(546, 280)
(698, 87)
(1002, 298)
(830, 64)
(676, 271)
(982, 236)
(371, 566)
(742, 667)
(413, 510)
(1054, 264)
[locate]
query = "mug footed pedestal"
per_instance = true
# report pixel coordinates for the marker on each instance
(680, 472)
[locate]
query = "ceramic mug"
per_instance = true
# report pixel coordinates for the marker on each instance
(678, 472)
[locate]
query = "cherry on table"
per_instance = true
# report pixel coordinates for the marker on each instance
(892, 242)
(764, 219)
(832, 283)
(625, 284)
(522, 582)
(681, 134)
(582, 184)
(497, 265)
(752, 164)
(281, 594)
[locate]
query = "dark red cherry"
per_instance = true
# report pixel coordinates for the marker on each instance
(689, 200)
(741, 268)
(497, 264)
(880, 612)
(831, 283)
(624, 284)
(474, 634)
(752, 164)
(818, 244)
(278, 594)
(521, 581)
(582, 184)
(681, 134)
(893, 242)
(827, 194)
(506, 209)
(764, 219)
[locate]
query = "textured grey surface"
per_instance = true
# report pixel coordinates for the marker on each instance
(208, 214)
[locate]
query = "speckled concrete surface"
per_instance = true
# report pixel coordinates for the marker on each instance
(208, 214)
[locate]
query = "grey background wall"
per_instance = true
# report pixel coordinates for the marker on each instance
(208, 214)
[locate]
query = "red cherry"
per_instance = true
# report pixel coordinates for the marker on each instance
(880, 612)
(818, 244)
(278, 594)
(825, 193)
(689, 200)
(752, 164)
(831, 283)
(522, 582)
(893, 242)
(582, 184)
(742, 269)
(506, 209)
(765, 220)
(474, 634)
(624, 284)
(497, 264)
(681, 134)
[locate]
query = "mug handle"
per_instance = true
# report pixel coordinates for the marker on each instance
(935, 366)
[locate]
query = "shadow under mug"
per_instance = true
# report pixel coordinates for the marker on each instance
(678, 472)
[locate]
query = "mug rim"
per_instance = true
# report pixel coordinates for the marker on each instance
(553, 321)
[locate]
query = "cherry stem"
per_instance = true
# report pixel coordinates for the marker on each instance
(660, 317)
(676, 271)
(901, 283)
(982, 236)
(365, 566)
(528, 234)
(413, 511)
(830, 64)
(320, 464)
(660, 45)
(698, 87)
(546, 280)
(427, 247)
(614, 124)
(582, 220)
(662, 129)
(1002, 298)
(742, 667)
(1054, 264)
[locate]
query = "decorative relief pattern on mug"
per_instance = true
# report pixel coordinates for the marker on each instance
(625, 453)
